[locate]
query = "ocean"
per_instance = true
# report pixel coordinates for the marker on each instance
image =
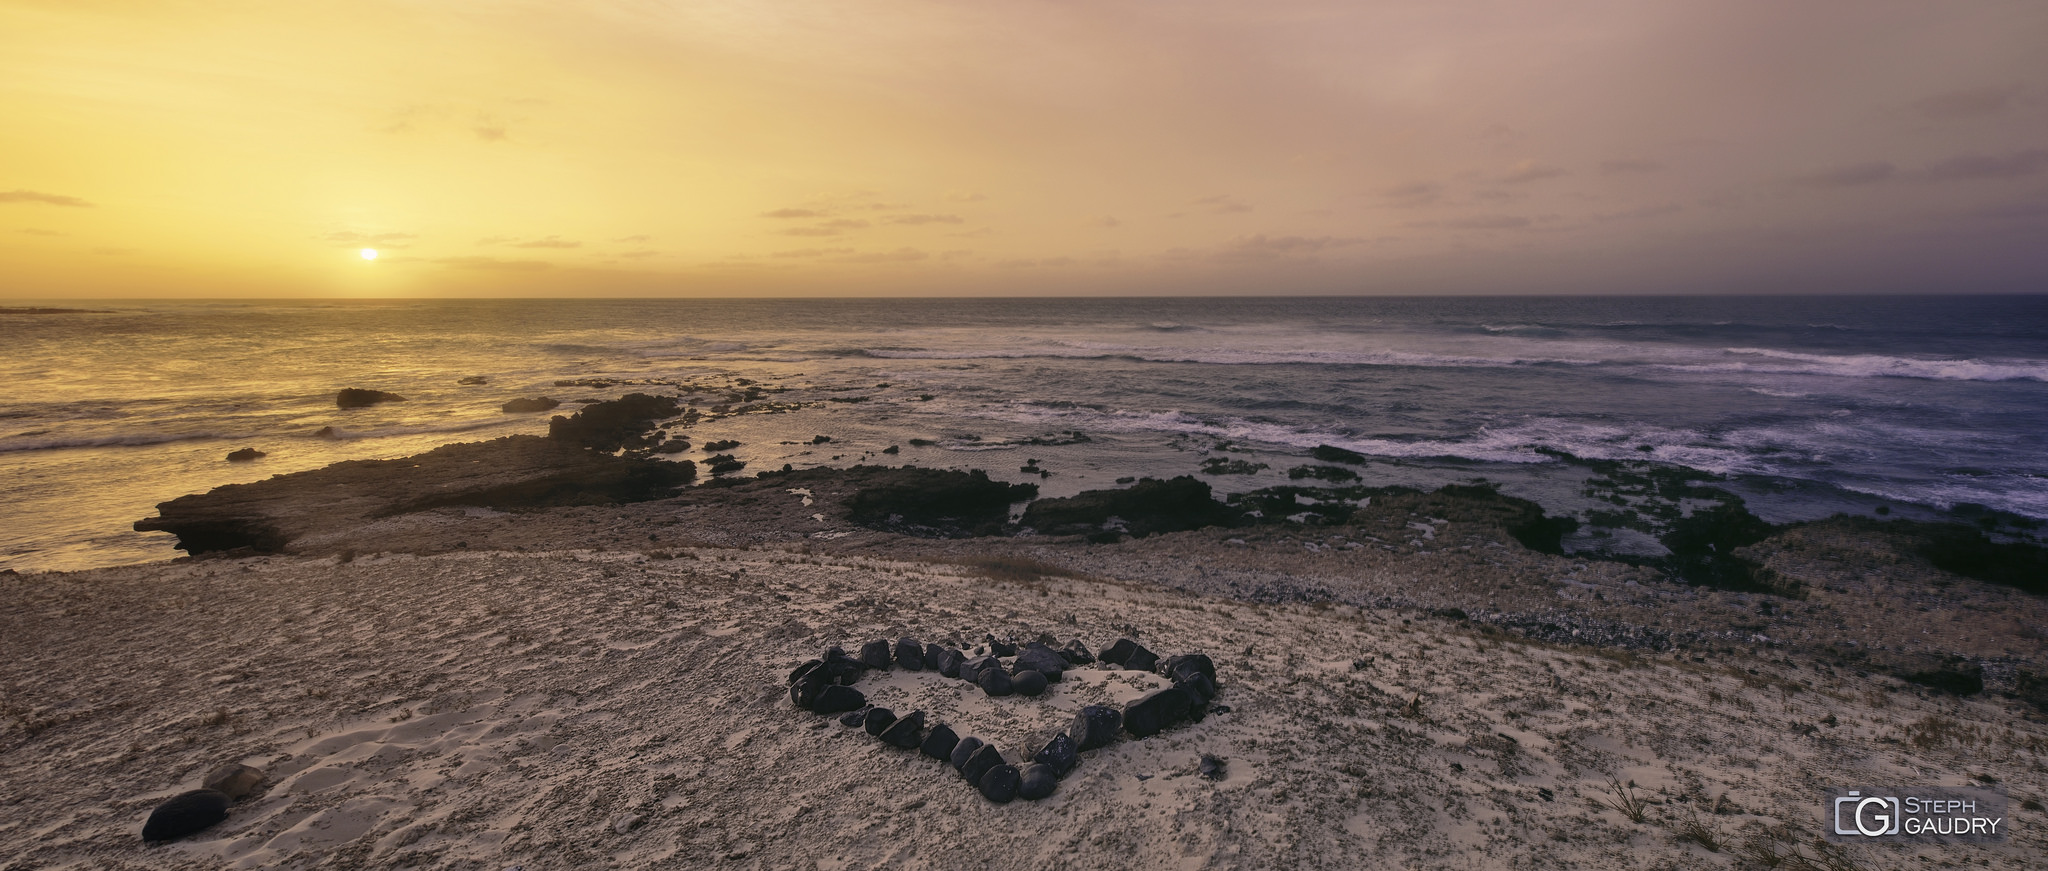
(1808, 406)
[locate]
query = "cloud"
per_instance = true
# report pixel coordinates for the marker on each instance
(549, 242)
(1413, 194)
(1223, 205)
(31, 231)
(1638, 214)
(916, 220)
(1106, 222)
(353, 239)
(2022, 163)
(492, 132)
(1480, 222)
(1620, 165)
(809, 231)
(493, 263)
(1262, 247)
(966, 196)
(845, 224)
(636, 255)
(28, 196)
(812, 252)
(1853, 175)
(1965, 104)
(1529, 170)
(900, 255)
(974, 233)
(638, 237)
(793, 213)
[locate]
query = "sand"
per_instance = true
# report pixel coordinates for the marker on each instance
(607, 707)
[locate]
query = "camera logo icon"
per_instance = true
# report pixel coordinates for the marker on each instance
(1867, 815)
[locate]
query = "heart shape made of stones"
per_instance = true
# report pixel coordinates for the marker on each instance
(825, 686)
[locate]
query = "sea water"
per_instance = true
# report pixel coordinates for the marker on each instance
(1810, 405)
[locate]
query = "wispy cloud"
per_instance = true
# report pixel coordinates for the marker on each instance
(2023, 163)
(1477, 222)
(1639, 213)
(808, 253)
(1853, 175)
(1263, 247)
(1529, 170)
(638, 255)
(810, 231)
(917, 220)
(1106, 222)
(966, 196)
(1223, 204)
(638, 237)
(493, 263)
(1965, 104)
(793, 213)
(900, 255)
(1620, 165)
(28, 196)
(549, 242)
(31, 231)
(1412, 194)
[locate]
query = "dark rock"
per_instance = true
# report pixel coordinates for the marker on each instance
(999, 784)
(528, 406)
(877, 720)
(234, 779)
(1155, 711)
(1961, 678)
(804, 691)
(356, 397)
(940, 743)
(875, 655)
(1199, 685)
(853, 718)
(1185, 665)
(1129, 654)
(1042, 659)
(932, 652)
(805, 669)
(1060, 754)
(1076, 653)
(1095, 726)
(1198, 707)
(950, 661)
(963, 750)
(910, 654)
(472, 380)
(936, 502)
(626, 422)
(995, 681)
(998, 647)
(1037, 781)
(837, 697)
(184, 814)
(1213, 767)
(840, 668)
(971, 670)
(1147, 507)
(1703, 547)
(907, 732)
(985, 757)
(1027, 683)
(245, 455)
(1334, 454)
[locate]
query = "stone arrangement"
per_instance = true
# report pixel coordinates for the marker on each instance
(825, 686)
(191, 812)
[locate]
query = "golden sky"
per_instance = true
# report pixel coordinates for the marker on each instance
(634, 147)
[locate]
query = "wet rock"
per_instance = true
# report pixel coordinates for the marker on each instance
(877, 720)
(1042, 659)
(999, 784)
(939, 743)
(234, 779)
(835, 698)
(1129, 654)
(245, 455)
(907, 732)
(1095, 726)
(984, 758)
(525, 405)
(472, 380)
(1334, 454)
(1037, 781)
(995, 681)
(963, 750)
(1155, 711)
(184, 814)
(875, 655)
(910, 654)
(971, 670)
(934, 501)
(1060, 755)
(356, 397)
(1027, 683)
(1147, 507)
(626, 422)
(1076, 653)
(950, 661)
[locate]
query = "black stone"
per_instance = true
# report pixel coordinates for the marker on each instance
(907, 732)
(1186, 665)
(1129, 654)
(963, 750)
(1059, 754)
(933, 501)
(185, 813)
(940, 743)
(798, 673)
(971, 670)
(840, 668)
(625, 422)
(1028, 683)
(1198, 707)
(875, 655)
(910, 654)
(357, 397)
(1001, 648)
(835, 698)
(1151, 506)
(245, 455)
(1213, 767)
(528, 406)
(804, 691)
(932, 653)
(950, 661)
(999, 784)
(1155, 711)
(1076, 653)
(853, 718)
(1199, 684)
(985, 758)
(1042, 659)
(1037, 781)
(1095, 726)
(877, 720)
(995, 682)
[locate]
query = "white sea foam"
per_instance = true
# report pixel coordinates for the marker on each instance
(1768, 360)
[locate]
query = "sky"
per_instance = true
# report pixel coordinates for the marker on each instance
(252, 148)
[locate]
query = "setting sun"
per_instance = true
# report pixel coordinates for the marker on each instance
(369, 253)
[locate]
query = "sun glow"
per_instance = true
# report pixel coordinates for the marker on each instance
(369, 253)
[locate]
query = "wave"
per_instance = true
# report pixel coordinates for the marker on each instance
(134, 440)
(1228, 357)
(1874, 366)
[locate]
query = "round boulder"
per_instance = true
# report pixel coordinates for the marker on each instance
(910, 654)
(963, 750)
(940, 743)
(907, 732)
(995, 682)
(999, 784)
(989, 756)
(1027, 683)
(877, 720)
(875, 655)
(835, 698)
(1037, 781)
(1095, 726)
(184, 814)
